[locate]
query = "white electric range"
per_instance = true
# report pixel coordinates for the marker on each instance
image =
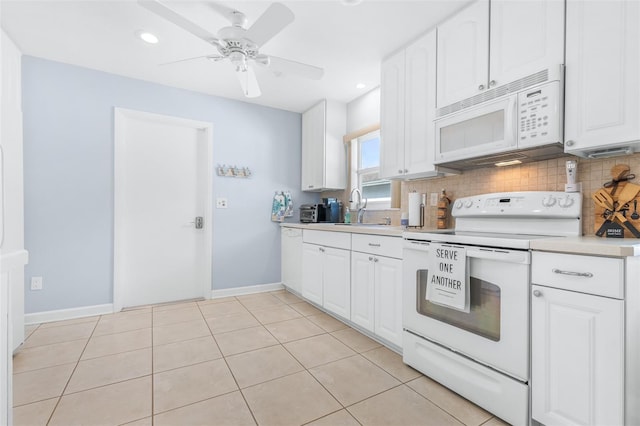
(483, 353)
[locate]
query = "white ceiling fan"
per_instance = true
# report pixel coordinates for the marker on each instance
(241, 45)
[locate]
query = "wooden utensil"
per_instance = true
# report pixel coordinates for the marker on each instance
(628, 193)
(602, 198)
(619, 171)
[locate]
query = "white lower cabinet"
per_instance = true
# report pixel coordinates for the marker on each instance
(291, 258)
(336, 292)
(362, 290)
(326, 270)
(388, 299)
(312, 268)
(578, 340)
(376, 286)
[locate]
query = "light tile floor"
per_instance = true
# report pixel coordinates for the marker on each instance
(267, 359)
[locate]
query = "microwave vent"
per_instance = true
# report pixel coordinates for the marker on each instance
(515, 86)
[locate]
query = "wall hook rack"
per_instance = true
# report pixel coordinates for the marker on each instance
(233, 171)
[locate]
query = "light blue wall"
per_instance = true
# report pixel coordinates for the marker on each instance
(68, 174)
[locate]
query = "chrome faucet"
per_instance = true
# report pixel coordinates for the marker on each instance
(360, 208)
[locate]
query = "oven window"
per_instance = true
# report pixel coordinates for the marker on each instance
(484, 316)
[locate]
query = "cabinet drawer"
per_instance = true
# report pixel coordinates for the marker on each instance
(376, 244)
(602, 276)
(327, 238)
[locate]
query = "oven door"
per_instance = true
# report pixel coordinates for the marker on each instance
(496, 330)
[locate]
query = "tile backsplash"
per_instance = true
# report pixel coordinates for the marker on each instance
(548, 175)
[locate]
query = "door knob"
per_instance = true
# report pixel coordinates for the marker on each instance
(537, 293)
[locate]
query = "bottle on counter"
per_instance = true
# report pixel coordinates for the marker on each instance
(347, 215)
(443, 210)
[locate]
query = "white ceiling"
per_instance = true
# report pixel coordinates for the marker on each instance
(349, 42)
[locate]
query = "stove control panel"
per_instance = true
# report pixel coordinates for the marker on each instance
(520, 204)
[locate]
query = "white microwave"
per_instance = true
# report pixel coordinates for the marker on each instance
(518, 127)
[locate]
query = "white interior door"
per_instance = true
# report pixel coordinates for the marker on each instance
(162, 183)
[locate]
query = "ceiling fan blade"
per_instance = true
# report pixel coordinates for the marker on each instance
(248, 82)
(210, 57)
(270, 23)
(287, 66)
(233, 15)
(179, 20)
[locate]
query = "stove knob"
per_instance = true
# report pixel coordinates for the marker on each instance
(458, 204)
(565, 202)
(548, 201)
(468, 203)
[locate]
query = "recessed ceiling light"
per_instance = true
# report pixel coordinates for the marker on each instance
(351, 2)
(147, 37)
(360, 86)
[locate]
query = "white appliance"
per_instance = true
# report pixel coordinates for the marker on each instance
(484, 354)
(523, 124)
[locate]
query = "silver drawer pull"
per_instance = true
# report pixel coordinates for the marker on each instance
(374, 245)
(574, 274)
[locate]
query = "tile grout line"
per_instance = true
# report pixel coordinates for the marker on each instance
(224, 358)
(73, 372)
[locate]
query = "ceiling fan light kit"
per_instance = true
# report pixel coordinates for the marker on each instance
(241, 45)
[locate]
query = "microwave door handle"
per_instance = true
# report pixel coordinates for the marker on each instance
(511, 136)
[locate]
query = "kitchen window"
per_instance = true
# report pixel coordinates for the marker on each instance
(365, 171)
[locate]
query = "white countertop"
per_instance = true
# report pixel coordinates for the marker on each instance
(371, 229)
(587, 245)
(590, 245)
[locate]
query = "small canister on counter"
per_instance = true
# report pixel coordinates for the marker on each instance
(443, 211)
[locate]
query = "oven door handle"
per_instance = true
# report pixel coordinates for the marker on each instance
(416, 245)
(523, 257)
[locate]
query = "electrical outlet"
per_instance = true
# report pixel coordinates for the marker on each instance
(434, 199)
(221, 203)
(36, 283)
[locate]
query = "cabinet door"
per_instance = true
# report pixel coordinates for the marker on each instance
(362, 290)
(577, 358)
(312, 265)
(602, 74)
(392, 90)
(526, 37)
(313, 134)
(420, 105)
(337, 281)
(388, 299)
(463, 54)
(291, 258)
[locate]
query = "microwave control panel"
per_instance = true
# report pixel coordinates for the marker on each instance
(539, 115)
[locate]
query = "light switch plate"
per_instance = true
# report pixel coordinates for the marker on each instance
(221, 203)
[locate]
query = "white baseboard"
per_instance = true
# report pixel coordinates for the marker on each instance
(240, 291)
(66, 314)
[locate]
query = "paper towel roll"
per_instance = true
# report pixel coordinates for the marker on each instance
(414, 208)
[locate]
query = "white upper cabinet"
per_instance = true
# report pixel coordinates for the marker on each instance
(323, 152)
(526, 37)
(392, 84)
(463, 54)
(407, 111)
(602, 98)
(485, 47)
